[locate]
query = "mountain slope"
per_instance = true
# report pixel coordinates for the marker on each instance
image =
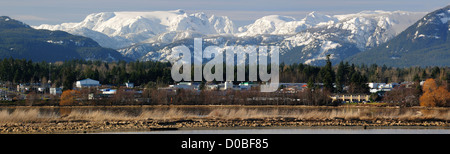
(350, 34)
(18, 40)
(282, 25)
(340, 36)
(150, 35)
(128, 28)
(425, 43)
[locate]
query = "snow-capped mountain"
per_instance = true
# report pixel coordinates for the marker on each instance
(282, 25)
(424, 43)
(307, 40)
(122, 29)
(350, 34)
(151, 35)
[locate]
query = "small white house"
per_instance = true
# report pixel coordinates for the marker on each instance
(87, 83)
(377, 87)
(129, 85)
(108, 91)
(185, 85)
(228, 85)
(55, 91)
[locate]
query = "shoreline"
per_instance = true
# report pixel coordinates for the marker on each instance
(83, 126)
(230, 106)
(278, 128)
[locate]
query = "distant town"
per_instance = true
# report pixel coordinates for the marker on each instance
(93, 90)
(147, 83)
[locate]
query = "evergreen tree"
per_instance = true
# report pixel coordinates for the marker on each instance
(311, 84)
(424, 75)
(327, 75)
(68, 78)
(435, 72)
(358, 83)
(416, 78)
(96, 75)
(341, 77)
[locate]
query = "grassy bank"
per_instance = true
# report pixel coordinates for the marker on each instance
(81, 119)
(32, 114)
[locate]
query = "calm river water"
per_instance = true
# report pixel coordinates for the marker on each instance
(296, 131)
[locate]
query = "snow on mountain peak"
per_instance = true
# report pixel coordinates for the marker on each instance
(140, 26)
(315, 18)
(181, 11)
(127, 28)
(144, 35)
(371, 28)
(277, 18)
(272, 24)
(282, 25)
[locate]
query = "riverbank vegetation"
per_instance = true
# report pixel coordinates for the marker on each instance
(219, 112)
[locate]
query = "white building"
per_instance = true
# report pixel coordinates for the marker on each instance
(247, 85)
(87, 83)
(55, 91)
(108, 91)
(375, 85)
(380, 87)
(129, 85)
(185, 85)
(228, 85)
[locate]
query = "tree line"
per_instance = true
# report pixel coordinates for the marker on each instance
(15, 71)
(340, 78)
(152, 73)
(355, 76)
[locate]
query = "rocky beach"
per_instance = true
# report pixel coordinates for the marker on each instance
(82, 126)
(90, 120)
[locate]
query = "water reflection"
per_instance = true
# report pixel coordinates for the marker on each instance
(295, 131)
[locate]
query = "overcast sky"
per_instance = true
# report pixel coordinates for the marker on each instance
(36, 12)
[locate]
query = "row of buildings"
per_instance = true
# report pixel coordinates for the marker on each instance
(284, 87)
(85, 83)
(228, 85)
(379, 88)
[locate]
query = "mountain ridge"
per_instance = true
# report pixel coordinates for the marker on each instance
(136, 27)
(424, 43)
(19, 40)
(307, 40)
